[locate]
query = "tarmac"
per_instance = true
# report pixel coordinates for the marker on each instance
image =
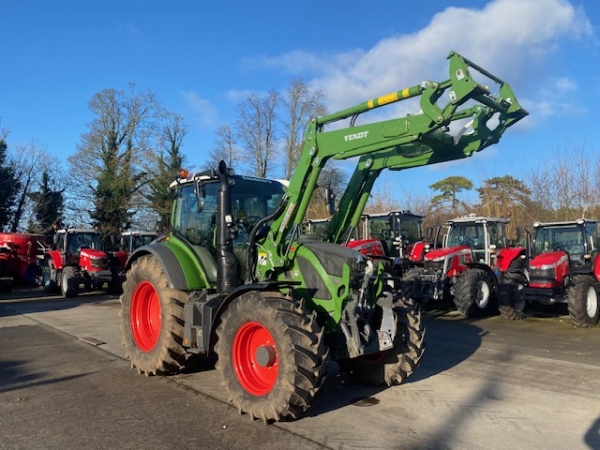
(488, 384)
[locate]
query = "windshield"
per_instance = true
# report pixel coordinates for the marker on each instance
(471, 234)
(133, 241)
(410, 228)
(568, 238)
(317, 227)
(78, 241)
(252, 199)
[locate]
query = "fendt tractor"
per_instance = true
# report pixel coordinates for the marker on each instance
(76, 258)
(467, 268)
(563, 266)
(234, 278)
(19, 259)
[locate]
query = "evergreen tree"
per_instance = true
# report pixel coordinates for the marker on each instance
(9, 187)
(48, 204)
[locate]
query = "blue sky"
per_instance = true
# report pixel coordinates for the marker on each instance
(200, 58)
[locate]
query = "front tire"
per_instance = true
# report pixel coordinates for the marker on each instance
(272, 358)
(583, 301)
(474, 293)
(412, 288)
(69, 284)
(48, 280)
(152, 320)
(392, 366)
(510, 303)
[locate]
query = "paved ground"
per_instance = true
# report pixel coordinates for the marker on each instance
(483, 384)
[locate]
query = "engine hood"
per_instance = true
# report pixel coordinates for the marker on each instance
(548, 259)
(442, 253)
(92, 253)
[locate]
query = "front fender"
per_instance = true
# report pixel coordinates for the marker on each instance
(182, 270)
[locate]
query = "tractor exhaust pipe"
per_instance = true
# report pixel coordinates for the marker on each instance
(228, 266)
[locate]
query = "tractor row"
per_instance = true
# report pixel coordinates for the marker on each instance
(73, 259)
(477, 269)
(76, 258)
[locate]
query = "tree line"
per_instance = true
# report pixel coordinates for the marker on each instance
(131, 151)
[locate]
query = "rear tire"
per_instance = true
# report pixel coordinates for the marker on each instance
(152, 320)
(392, 366)
(583, 301)
(69, 284)
(474, 293)
(272, 358)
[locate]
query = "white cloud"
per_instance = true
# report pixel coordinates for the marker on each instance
(507, 37)
(206, 112)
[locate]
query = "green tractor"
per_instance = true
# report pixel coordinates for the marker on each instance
(235, 278)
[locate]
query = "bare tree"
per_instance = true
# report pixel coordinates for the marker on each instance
(256, 130)
(333, 177)
(163, 164)
(225, 149)
(27, 161)
(300, 105)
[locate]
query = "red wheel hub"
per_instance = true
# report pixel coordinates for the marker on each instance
(145, 316)
(255, 358)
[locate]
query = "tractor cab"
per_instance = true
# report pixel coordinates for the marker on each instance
(398, 231)
(196, 217)
(315, 227)
(484, 235)
(130, 240)
(579, 239)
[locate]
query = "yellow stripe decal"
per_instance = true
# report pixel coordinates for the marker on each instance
(370, 104)
(389, 98)
(405, 93)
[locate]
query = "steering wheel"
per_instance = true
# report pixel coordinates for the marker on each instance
(249, 221)
(558, 248)
(468, 241)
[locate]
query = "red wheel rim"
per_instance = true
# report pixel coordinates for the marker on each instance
(145, 316)
(255, 358)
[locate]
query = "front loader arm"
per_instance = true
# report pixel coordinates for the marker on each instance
(396, 144)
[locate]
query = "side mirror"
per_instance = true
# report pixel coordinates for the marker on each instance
(330, 195)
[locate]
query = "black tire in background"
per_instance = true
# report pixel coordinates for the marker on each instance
(409, 286)
(474, 293)
(510, 305)
(583, 304)
(69, 284)
(48, 282)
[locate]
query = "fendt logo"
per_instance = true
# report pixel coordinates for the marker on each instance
(351, 137)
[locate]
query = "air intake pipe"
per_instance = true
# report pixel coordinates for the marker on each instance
(228, 266)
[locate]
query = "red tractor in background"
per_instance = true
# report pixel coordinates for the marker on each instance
(130, 241)
(19, 259)
(75, 258)
(563, 266)
(397, 235)
(467, 268)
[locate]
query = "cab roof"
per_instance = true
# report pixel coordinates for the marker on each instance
(472, 218)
